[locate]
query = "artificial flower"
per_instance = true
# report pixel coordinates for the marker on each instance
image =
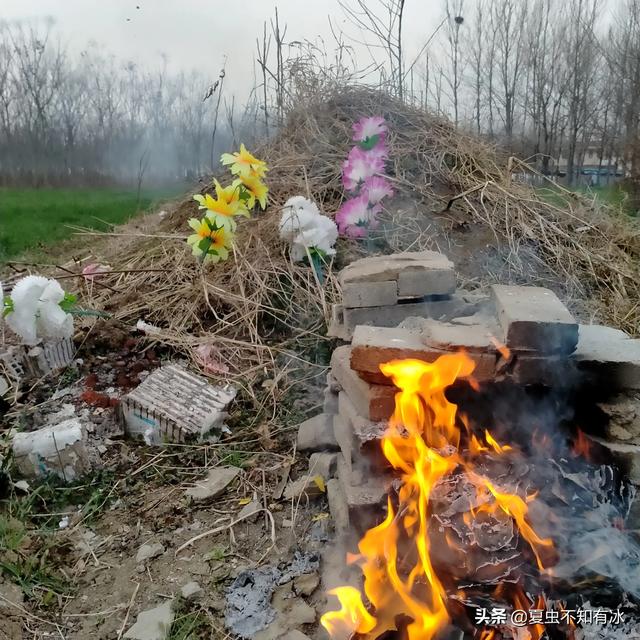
(298, 214)
(356, 216)
(243, 163)
(212, 238)
(35, 310)
(255, 189)
(307, 229)
(377, 188)
(359, 166)
(369, 131)
(94, 270)
(226, 204)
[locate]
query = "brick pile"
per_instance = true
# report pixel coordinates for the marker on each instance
(406, 306)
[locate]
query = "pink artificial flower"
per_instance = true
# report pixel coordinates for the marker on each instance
(359, 166)
(94, 270)
(367, 128)
(356, 217)
(210, 359)
(376, 189)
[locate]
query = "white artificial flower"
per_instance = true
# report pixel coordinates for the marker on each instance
(298, 214)
(36, 313)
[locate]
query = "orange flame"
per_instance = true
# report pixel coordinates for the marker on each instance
(581, 446)
(502, 349)
(422, 443)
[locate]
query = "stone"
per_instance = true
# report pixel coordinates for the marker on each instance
(610, 356)
(307, 486)
(344, 320)
(374, 402)
(191, 591)
(338, 506)
(316, 434)
(217, 480)
(149, 551)
(373, 346)
(175, 405)
(369, 294)
(153, 624)
(249, 509)
(60, 450)
(306, 584)
(534, 319)
(323, 464)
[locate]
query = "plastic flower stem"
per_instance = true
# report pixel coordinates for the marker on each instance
(89, 313)
(316, 263)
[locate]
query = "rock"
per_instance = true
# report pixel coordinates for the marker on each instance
(533, 318)
(323, 464)
(149, 551)
(610, 356)
(316, 434)
(175, 405)
(153, 624)
(191, 591)
(306, 584)
(374, 402)
(369, 294)
(217, 480)
(250, 509)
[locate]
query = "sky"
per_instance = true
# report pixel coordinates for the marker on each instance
(198, 34)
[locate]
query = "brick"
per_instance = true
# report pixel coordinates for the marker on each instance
(533, 318)
(374, 402)
(363, 430)
(389, 267)
(626, 455)
(175, 405)
(344, 320)
(623, 413)
(369, 294)
(373, 346)
(316, 434)
(338, 506)
(323, 464)
(609, 356)
(417, 283)
(550, 371)
(305, 487)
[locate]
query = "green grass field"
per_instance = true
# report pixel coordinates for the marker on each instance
(33, 219)
(613, 195)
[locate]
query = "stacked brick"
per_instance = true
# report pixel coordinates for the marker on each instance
(405, 306)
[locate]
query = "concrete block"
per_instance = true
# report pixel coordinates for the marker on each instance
(316, 434)
(610, 356)
(417, 283)
(338, 507)
(550, 371)
(626, 455)
(374, 402)
(533, 318)
(373, 346)
(305, 487)
(369, 294)
(623, 413)
(215, 482)
(175, 405)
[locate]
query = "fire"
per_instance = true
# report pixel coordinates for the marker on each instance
(423, 443)
(581, 446)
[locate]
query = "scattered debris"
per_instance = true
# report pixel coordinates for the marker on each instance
(149, 551)
(217, 480)
(191, 591)
(153, 624)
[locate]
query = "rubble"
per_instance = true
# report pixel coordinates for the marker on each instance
(59, 449)
(323, 464)
(307, 486)
(153, 624)
(534, 319)
(175, 405)
(149, 551)
(316, 434)
(191, 591)
(217, 480)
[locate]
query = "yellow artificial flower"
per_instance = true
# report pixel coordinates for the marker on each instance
(243, 163)
(227, 202)
(256, 190)
(211, 240)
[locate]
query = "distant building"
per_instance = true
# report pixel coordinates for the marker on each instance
(590, 167)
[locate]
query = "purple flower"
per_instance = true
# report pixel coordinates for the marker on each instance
(361, 165)
(367, 128)
(376, 189)
(356, 217)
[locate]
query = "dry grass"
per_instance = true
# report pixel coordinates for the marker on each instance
(261, 310)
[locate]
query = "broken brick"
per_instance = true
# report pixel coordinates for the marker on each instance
(369, 294)
(316, 434)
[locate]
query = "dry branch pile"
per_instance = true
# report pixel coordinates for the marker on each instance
(254, 306)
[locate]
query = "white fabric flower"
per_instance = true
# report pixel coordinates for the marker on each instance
(36, 313)
(305, 227)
